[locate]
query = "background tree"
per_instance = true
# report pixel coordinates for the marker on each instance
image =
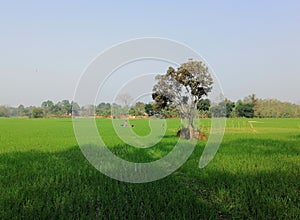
(88, 110)
(165, 110)
(229, 107)
(170, 111)
(22, 111)
(4, 112)
(271, 108)
(117, 111)
(12, 112)
(251, 99)
(57, 110)
(66, 107)
(203, 107)
(47, 106)
(125, 99)
(219, 110)
(139, 109)
(149, 109)
(75, 108)
(183, 88)
(244, 109)
(103, 109)
(37, 112)
(224, 108)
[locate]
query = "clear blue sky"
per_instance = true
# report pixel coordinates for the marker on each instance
(253, 46)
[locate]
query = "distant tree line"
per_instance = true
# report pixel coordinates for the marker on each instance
(249, 107)
(253, 107)
(47, 109)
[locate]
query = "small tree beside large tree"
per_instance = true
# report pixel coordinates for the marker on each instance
(183, 88)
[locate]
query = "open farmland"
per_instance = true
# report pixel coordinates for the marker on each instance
(255, 174)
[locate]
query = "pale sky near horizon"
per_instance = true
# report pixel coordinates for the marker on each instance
(253, 46)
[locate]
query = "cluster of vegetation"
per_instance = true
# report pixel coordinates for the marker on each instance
(66, 108)
(47, 109)
(254, 175)
(248, 107)
(253, 107)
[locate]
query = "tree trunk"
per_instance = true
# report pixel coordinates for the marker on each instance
(191, 128)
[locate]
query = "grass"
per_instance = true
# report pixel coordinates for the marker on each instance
(254, 175)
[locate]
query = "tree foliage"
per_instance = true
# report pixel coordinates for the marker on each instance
(4, 111)
(244, 109)
(103, 109)
(203, 105)
(149, 109)
(138, 109)
(272, 108)
(37, 112)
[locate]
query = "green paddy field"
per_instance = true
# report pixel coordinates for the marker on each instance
(254, 175)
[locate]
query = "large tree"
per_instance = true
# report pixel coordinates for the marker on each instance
(183, 88)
